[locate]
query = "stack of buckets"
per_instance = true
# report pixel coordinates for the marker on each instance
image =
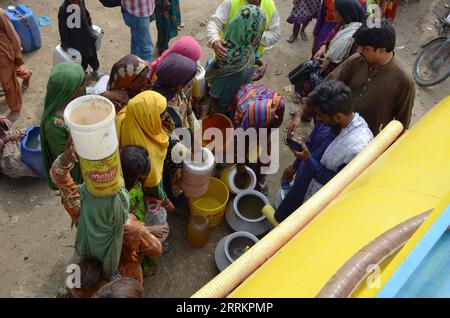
(207, 196)
(91, 123)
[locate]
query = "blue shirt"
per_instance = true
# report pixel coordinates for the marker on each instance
(318, 141)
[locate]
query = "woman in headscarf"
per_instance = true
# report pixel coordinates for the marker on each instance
(105, 230)
(190, 48)
(141, 124)
(129, 74)
(351, 15)
(326, 27)
(184, 45)
(227, 75)
(64, 85)
(11, 163)
(258, 107)
(172, 75)
(168, 19)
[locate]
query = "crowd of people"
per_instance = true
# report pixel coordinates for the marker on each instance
(363, 86)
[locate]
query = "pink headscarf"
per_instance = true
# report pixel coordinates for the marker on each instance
(186, 46)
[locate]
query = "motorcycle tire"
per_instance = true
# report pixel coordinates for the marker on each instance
(417, 66)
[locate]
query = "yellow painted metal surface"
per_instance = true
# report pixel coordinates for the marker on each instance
(411, 177)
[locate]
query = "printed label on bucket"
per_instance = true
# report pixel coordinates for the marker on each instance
(103, 178)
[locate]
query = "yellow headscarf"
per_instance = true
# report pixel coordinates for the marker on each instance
(139, 124)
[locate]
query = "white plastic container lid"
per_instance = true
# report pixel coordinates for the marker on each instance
(11, 8)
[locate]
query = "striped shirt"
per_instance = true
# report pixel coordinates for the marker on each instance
(139, 8)
(346, 146)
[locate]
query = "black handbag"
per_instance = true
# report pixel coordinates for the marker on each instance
(301, 73)
(111, 3)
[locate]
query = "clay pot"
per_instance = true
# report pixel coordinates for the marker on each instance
(228, 177)
(238, 243)
(222, 123)
(245, 214)
(231, 247)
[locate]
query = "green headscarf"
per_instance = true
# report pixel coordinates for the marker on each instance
(100, 228)
(65, 80)
(243, 36)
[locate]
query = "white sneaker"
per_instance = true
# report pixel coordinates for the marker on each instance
(97, 74)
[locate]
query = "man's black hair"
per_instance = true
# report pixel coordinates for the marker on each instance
(331, 97)
(382, 37)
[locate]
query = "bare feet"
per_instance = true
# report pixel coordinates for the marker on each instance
(13, 116)
(304, 36)
(292, 39)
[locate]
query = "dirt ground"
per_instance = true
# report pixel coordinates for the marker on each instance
(37, 242)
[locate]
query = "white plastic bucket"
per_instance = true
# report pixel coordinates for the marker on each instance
(91, 123)
(196, 175)
(61, 56)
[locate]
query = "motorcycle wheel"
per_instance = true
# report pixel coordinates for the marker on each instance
(432, 65)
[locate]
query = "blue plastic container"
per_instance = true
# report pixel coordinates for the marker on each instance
(26, 26)
(30, 148)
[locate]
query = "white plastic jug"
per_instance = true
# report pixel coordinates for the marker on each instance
(91, 123)
(61, 56)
